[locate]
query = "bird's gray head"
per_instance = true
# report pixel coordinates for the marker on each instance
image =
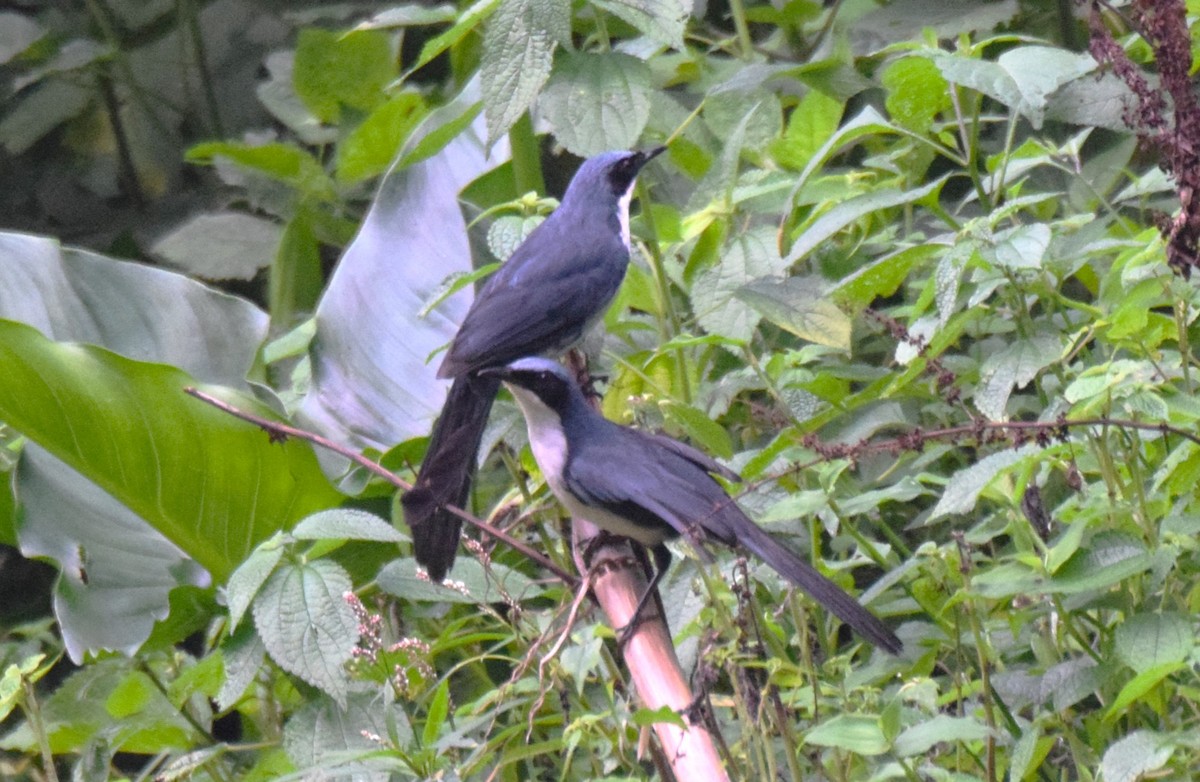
(546, 381)
(609, 173)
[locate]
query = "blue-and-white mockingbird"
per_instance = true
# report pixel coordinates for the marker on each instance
(651, 488)
(556, 284)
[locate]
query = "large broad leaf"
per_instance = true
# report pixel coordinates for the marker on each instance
(750, 256)
(116, 569)
(138, 311)
(213, 485)
(798, 305)
(373, 382)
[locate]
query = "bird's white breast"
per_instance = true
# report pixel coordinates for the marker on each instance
(623, 214)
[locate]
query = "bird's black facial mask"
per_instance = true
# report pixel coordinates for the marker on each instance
(622, 174)
(546, 386)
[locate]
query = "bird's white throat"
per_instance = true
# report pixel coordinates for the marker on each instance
(623, 213)
(546, 436)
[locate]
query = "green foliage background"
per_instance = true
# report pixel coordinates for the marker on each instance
(881, 235)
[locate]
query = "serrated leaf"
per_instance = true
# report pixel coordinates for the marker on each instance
(597, 102)
(249, 577)
(963, 490)
(812, 122)
(518, 51)
(1135, 756)
(1013, 367)
(247, 244)
(471, 584)
(662, 20)
(881, 277)
(242, 656)
(306, 624)
(749, 256)
(796, 304)
(323, 736)
(507, 233)
(1145, 641)
(347, 524)
(1071, 681)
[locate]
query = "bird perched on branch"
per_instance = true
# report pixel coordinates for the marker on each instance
(651, 488)
(542, 300)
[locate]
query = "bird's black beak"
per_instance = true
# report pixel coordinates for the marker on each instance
(649, 155)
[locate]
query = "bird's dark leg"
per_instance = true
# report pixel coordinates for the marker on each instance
(662, 560)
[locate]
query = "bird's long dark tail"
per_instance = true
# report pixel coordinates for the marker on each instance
(819, 588)
(445, 474)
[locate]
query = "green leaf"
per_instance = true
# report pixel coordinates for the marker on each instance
(328, 739)
(371, 147)
(812, 122)
(1145, 641)
(518, 51)
(466, 24)
(1138, 687)
(439, 709)
(131, 696)
(964, 488)
(854, 733)
(242, 654)
(471, 583)
(11, 684)
(749, 256)
(1136, 756)
(347, 524)
(882, 277)
(211, 484)
(663, 20)
(247, 244)
(507, 233)
(285, 163)
(597, 102)
(700, 428)
(941, 728)
(796, 304)
(334, 69)
(849, 211)
(306, 624)
(916, 92)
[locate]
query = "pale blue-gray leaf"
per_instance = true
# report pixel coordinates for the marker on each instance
(518, 51)
(471, 583)
(1012, 367)
(39, 110)
(372, 385)
(1136, 756)
(221, 245)
(148, 314)
(244, 583)
(940, 729)
(17, 32)
(331, 742)
(597, 102)
(1022, 78)
(115, 571)
(1020, 247)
